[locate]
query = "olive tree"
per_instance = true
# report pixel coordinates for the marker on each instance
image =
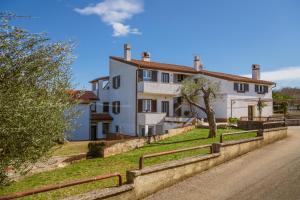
(196, 90)
(34, 77)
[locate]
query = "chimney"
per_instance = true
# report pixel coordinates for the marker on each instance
(256, 72)
(127, 52)
(197, 63)
(146, 56)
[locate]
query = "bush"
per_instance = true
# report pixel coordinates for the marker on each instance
(96, 149)
(233, 120)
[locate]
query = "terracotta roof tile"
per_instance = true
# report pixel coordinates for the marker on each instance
(186, 69)
(83, 95)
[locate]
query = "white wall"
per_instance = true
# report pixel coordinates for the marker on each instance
(126, 94)
(82, 124)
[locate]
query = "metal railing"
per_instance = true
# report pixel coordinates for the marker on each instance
(236, 133)
(274, 124)
(59, 186)
(142, 158)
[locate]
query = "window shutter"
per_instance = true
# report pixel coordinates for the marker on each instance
(153, 105)
(235, 86)
(256, 88)
(246, 87)
(114, 82)
(266, 89)
(119, 106)
(140, 75)
(118, 81)
(154, 76)
(140, 105)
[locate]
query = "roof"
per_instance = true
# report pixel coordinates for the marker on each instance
(186, 69)
(101, 117)
(99, 78)
(84, 96)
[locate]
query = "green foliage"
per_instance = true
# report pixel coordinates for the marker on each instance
(34, 77)
(233, 120)
(279, 96)
(95, 149)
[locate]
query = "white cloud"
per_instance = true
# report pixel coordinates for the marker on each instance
(283, 74)
(114, 13)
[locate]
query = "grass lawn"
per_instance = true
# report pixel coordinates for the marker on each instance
(118, 163)
(70, 148)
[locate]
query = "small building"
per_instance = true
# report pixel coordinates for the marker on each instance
(86, 126)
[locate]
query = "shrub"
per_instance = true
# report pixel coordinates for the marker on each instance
(233, 120)
(96, 149)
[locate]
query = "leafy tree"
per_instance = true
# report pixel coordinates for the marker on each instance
(193, 90)
(34, 77)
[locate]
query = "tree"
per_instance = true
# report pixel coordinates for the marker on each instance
(193, 90)
(34, 77)
(260, 106)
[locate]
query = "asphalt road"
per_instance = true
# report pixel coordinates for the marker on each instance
(269, 173)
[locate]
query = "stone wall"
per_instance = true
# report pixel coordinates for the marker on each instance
(121, 146)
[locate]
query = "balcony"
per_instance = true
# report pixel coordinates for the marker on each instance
(150, 118)
(159, 88)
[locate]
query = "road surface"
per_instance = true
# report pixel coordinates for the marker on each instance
(269, 173)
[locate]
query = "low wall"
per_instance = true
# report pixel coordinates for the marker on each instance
(122, 146)
(151, 179)
(293, 122)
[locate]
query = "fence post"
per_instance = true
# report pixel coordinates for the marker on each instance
(141, 162)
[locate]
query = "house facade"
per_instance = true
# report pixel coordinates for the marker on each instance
(143, 97)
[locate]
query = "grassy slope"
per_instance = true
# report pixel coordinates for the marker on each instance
(71, 148)
(119, 163)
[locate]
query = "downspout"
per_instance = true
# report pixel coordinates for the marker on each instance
(136, 106)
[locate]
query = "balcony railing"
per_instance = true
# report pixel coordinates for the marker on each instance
(151, 118)
(159, 88)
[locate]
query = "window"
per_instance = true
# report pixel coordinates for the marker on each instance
(180, 77)
(241, 87)
(116, 107)
(261, 89)
(93, 107)
(117, 129)
(116, 82)
(105, 128)
(105, 107)
(146, 105)
(165, 77)
(147, 75)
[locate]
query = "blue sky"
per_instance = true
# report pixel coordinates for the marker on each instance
(228, 35)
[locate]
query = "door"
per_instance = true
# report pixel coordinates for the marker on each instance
(250, 113)
(165, 107)
(177, 106)
(105, 128)
(93, 132)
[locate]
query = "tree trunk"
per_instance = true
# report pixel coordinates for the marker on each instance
(210, 117)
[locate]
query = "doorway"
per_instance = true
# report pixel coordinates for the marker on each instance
(93, 132)
(165, 107)
(250, 113)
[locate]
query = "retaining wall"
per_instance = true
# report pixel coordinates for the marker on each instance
(127, 145)
(144, 182)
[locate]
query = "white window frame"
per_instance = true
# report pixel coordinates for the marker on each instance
(147, 105)
(241, 87)
(147, 75)
(260, 89)
(165, 77)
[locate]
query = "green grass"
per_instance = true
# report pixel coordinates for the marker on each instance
(118, 163)
(70, 148)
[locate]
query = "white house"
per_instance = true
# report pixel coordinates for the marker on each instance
(142, 96)
(86, 125)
